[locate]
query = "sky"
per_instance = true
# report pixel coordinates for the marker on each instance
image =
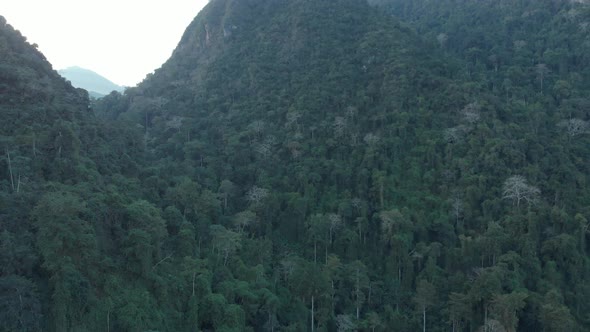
(122, 40)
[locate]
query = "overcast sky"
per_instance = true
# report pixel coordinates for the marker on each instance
(123, 40)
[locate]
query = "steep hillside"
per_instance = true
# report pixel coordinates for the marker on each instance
(41, 113)
(54, 166)
(333, 141)
(306, 166)
(513, 43)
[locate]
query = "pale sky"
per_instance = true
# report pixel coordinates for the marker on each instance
(123, 40)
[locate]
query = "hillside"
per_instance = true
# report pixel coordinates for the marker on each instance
(348, 139)
(49, 185)
(312, 166)
(96, 85)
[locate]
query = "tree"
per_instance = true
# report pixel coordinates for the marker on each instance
(311, 283)
(224, 241)
(147, 231)
(373, 321)
(396, 233)
(226, 189)
(318, 230)
(542, 70)
(505, 309)
(184, 194)
(517, 189)
(344, 323)
(486, 282)
(424, 298)
(340, 126)
(457, 208)
(442, 39)
(244, 219)
(554, 315)
(459, 309)
(139, 251)
(492, 325)
(357, 272)
(20, 308)
(64, 236)
(138, 312)
(335, 222)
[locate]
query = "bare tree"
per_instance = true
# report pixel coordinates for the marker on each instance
(371, 139)
(494, 59)
(295, 149)
(10, 169)
(339, 126)
(335, 222)
(293, 119)
(442, 39)
(356, 203)
(471, 113)
(492, 325)
(287, 267)
(256, 194)
(519, 44)
(575, 127)
(542, 70)
(175, 122)
(257, 127)
(264, 149)
(350, 113)
(453, 135)
(354, 139)
(517, 189)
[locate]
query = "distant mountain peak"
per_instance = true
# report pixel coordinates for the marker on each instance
(96, 84)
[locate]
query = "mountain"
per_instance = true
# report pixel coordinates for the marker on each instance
(309, 166)
(96, 85)
(371, 152)
(41, 112)
(54, 159)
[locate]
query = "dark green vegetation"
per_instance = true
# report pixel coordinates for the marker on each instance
(96, 85)
(308, 165)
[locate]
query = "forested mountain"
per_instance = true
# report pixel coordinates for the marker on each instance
(96, 85)
(51, 191)
(308, 166)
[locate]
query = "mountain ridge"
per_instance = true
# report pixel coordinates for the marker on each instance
(97, 85)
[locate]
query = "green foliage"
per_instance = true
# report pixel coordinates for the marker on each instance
(308, 165)
(20, 306)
